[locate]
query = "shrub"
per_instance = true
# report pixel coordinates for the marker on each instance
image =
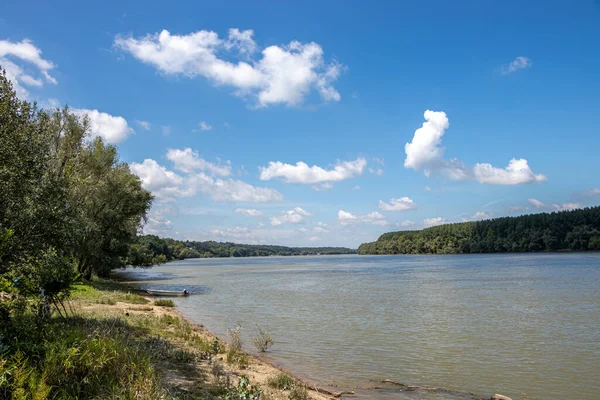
(236, 339)
(164, 303)
(263, 341)
(282, 382)
(298, 392)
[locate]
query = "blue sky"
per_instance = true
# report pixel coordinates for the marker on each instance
(287, 123)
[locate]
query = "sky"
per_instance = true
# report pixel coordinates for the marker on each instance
(326, 123)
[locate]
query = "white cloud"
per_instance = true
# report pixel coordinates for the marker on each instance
(594, 191)
(377, 171)
(517, 172)
(320, 229)
(424, 153)
(401, 204)
(406, 224)
(157, 224)
(143, 124)
(282, 75)
(226, 124)
(427, 189)
(165, 130)
(161, 182)
(24, 51)
(480, 215)
(314, 238)
(113, 129)
(554, 207)
(249, 212)
(168, 185)
(374, 218)
(204, 126)
(428, 222)
(517, 64)
(189, 161)
(294, 216)
(302, 173)
(232, 190)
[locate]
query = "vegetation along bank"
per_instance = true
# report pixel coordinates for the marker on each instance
(576, 230)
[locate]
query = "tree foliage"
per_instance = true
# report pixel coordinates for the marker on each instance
(67, 205)
(575, 230)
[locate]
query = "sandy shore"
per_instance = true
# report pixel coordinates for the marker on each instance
(185, 375)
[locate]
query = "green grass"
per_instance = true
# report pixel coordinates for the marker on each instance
(164, 303)
(282, 381)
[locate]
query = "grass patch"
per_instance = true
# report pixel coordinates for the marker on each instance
(164, 303)
(282, 382)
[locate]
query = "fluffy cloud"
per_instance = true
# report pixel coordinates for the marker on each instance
(374, 218)
(113, 129)
(232, 190)
(517, 64)
(249, 212)
(517, 172)
(322, 187)
(282, 75)
(24, 51)
(164, 184)
(189, 161)
(302, 173)
(168, 185)
(401, 204)
(427, 222)
(294, 216)
(143, 124)
(425, 154)
(554, 207)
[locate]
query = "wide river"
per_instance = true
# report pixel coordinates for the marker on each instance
(526, 326)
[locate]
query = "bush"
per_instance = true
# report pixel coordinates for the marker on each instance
(263, 341)
(282, 382)
(298, 393)
(164, 303)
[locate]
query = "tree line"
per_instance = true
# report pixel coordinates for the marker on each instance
(150, 250)
(576, 230)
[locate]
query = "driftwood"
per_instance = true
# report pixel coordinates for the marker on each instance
(330, 393)
(410, 388)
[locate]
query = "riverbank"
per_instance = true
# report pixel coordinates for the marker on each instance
(114, 343)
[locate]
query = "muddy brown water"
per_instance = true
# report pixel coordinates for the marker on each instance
(526, 326)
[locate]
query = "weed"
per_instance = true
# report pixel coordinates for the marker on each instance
(164, 303)
(298, 392)
(236, 339)
(106, 300)
(243, 391)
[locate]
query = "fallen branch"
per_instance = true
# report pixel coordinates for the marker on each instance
(414, 388)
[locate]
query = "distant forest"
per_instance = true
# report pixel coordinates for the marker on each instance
(149, 250)
(577, 230)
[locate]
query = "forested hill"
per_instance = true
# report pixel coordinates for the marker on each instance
(150, 250)
(576, 230)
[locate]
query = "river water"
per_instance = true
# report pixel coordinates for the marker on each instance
(526, 326)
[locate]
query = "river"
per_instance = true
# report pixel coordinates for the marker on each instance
(524, 325)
